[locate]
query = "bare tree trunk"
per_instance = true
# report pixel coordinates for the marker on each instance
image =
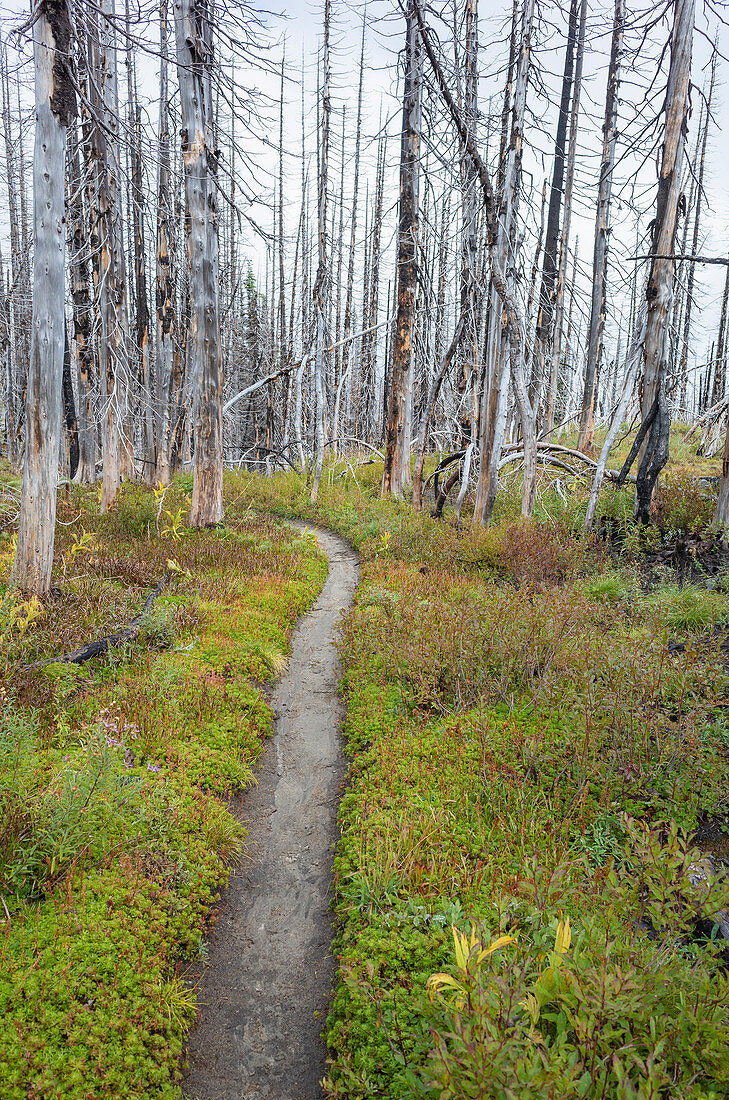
(321, 285)
(602, 228)
(283, 352)
(504, 338)
(55, 106)
(372, 305)
(146, 387)
(16, 320)
(717, 391)
(348, 355)
(79, 272)
(111, 272)
(194, 68)
(69, 408)
(164, 273)
(721, 339)
(555, 343)
(396, 472)
(659, 289)
(469, 357)
(545, 314)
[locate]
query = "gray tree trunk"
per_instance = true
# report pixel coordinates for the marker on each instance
(396, 473)
(164, 270)
(110, 273)
(659, 289)
(55, 106)
(602, 228)
(494, 399)
(194, 67)
(321, 285)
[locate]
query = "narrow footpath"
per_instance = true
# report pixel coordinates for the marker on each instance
(264, 994)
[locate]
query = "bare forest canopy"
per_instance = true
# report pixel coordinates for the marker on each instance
(234, 238)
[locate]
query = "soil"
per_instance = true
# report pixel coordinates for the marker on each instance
(265, 991)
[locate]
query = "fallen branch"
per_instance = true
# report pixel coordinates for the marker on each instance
(687, 259)
(256, 386)
(101, 645)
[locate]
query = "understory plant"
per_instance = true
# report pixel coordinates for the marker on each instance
(521, 909)
(116, 835)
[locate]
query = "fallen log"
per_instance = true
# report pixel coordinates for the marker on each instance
(101, 645)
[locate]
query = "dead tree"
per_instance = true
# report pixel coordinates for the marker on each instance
(564, 242)
(504, 349)
(164, 268)
(321, 284)
(145, 383)
(717, 386)
(55, 107)
(17, 319)
(82, 307)
(194, 68)
(110, 270)
(347, 355)
(469, 282)
(396, 471)
(545, 314)
(659, 289)
(602, 228)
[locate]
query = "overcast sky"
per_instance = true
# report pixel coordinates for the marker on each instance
(300, 25)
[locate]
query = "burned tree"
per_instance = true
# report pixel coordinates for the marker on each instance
(55, 107)
(659, 289)
(396, 473)
(602, 227)
(194, 66)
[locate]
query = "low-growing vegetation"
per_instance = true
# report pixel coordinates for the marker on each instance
(529, 886)
(117, 826)
(536, 734)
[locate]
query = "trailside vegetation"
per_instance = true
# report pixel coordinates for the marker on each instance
(119, 776)
(529, 892)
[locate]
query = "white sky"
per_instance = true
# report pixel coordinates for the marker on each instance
(300, 24)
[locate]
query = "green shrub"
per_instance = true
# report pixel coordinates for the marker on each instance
(679, 505)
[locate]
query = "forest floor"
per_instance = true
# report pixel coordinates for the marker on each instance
(529, 886)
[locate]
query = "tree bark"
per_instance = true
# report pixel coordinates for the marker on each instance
(545, 313)
(396, 471)
(602, 228)
(504, 344)
(110, 272)
(194, 67)
(321, 284)
(555, 343)
(55, 106)
(659, 289)
(146, 389)
(69, 408)
(164, 268)
(82, 317)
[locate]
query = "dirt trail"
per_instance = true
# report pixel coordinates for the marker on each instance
(266, 987)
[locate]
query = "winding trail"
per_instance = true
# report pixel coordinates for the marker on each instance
(266, 987)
